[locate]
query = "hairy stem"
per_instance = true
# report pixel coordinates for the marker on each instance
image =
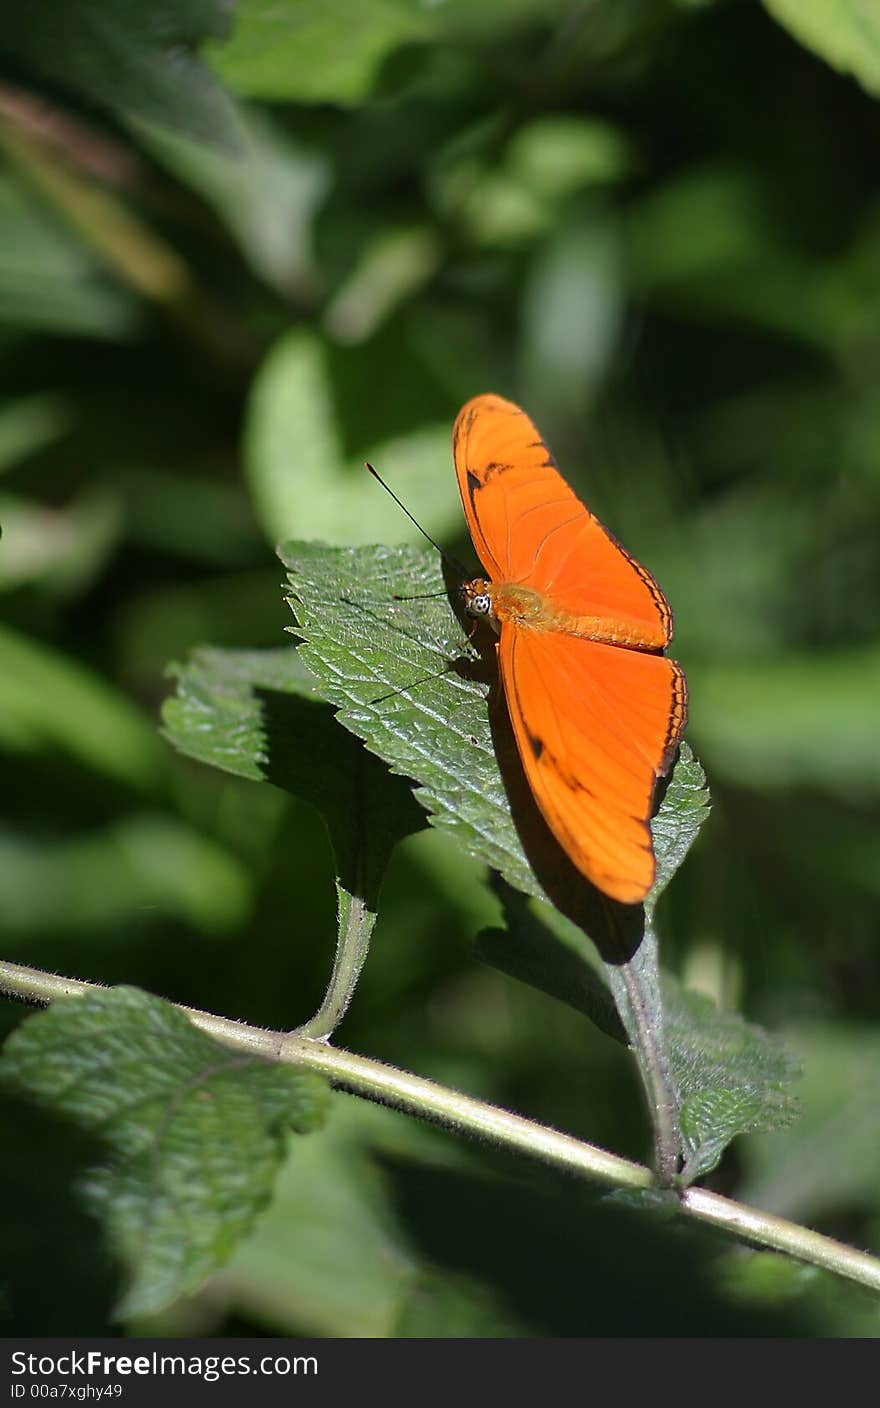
(635, 986)
(424, 1098)
(355, 928)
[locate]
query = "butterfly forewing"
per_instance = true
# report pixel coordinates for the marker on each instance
(530, 528)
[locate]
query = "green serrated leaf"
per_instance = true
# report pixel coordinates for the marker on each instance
(222, 713)
(683, 809)
(259, 714)
(733, 1076)
(135, 59)
(191, 1133)
(386, 665)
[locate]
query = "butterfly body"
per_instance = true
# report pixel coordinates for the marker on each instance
(596, 708)
(530, 609)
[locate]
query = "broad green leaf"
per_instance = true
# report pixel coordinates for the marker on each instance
(801, 718)
(329, 51)
(30, 423)
(831, 1158)
(267, 192)
(387, 667)
(259, 714)
(49, 281)
(334, 51)
(303, 480)
(845, 33)
(48, 701)
(191, 1134)
(226, 712)
(61, 549)
(734, 1078)
(572, 315)
(137, 872)
(392, 268)
(138, 60)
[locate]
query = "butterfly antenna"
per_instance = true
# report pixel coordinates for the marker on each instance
(422, 679)
(460, 571)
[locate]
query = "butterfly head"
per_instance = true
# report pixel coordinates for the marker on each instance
(477, 598)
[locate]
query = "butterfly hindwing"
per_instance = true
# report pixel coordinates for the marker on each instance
(595, 727)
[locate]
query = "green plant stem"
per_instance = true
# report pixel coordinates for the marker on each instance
(635, 986)
(356, 924)
(424, 1098)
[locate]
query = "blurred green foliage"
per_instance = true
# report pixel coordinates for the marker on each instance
(226, 280)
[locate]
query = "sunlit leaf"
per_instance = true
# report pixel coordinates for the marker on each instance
(845, 33)
(302, 478)
(331, 52)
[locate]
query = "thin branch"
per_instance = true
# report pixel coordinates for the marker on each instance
(424, 1098)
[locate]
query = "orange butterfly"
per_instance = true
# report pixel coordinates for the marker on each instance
(597, 709)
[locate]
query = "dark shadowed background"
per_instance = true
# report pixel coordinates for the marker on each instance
(225, 282)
